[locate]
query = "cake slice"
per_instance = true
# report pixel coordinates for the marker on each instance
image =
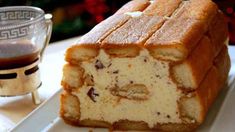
(147, 67)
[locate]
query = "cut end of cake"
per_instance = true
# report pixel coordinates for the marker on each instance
(114, 83)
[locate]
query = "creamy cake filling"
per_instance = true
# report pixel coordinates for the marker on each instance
(136, 89)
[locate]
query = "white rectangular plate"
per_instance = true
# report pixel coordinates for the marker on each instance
(221, 116)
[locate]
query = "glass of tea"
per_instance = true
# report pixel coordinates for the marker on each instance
(24, 34)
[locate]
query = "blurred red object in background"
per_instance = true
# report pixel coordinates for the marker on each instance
(228, 7)
(231, 25)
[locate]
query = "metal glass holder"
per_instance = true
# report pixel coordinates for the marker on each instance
(21, 81)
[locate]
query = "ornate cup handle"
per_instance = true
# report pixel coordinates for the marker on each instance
(49, 25)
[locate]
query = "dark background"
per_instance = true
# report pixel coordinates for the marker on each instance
(76, 17)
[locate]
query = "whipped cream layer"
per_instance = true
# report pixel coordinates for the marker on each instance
(108, 95)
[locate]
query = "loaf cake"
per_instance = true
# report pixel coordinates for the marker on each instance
(153, 65)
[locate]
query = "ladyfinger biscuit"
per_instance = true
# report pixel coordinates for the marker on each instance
(99, 32)
(218, 32)
(176, 39)
(180, 35)
(138, 29)
(201, 100)
(203, 10)
(162, 7)
(131, 36)
(72, 77)
(190, 72)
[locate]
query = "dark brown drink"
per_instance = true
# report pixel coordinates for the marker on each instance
(17, 55)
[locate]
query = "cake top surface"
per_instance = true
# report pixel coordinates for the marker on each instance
(126, 25)
(172, 27)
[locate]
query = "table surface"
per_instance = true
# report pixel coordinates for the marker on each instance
(14, 109)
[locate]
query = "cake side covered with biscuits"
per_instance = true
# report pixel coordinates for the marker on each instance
(153, 65)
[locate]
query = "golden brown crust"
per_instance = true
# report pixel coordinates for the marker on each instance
(215, 80)
(209, 88)
(191, 127)
(66, 87)
(162, 7)
(223, 64)
(72, 77)
(76, 53)
(125, 51)
(218, 32)
(133, 125)
(183, 33)
(138, 29)
(134, 5)
(87, 123)
(66, 113)
(198, 63)
(203, 10)
(134, 32)
(185, 29)
(127, 41)
(103, 29)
